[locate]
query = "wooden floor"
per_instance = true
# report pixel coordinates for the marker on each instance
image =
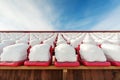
(59, 73)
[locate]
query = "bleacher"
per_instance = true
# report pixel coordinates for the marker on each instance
(59, 55)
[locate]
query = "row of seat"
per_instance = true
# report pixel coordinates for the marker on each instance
(57, 44)
(41, 60)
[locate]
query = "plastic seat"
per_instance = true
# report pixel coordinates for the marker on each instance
(115, 63)
(95, 63)
(37, 63)
(11, 63)
(100, 64)
(40, 63)
(16, 62)
(66, 64)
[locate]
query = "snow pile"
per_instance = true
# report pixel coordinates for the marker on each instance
(66, 36)
(2, 45)
(50, 41)
(65, 52)
(8, 42)
(97, 39)
(22, 41)
(5, 43)
(88, 39)
(76, 42)
(112, 51)
(60, 40)
(16, 52)
(115, 39)
(34, 42)
(90, 52)
(40, 52)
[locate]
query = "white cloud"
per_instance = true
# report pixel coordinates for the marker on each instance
(25, 15)
(110, 22)
(79, 23)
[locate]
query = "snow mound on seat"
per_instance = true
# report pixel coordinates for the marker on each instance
(88, 39)
(22, 41)
(16, 52)
(115, 39)
(60, 40)
(40, 52)
(8, 42)
(90, 52)
(112, 51)
(5, 43)
(49, 42)
(34, 42)
(75, 42)
(65, 52)
(2, 45)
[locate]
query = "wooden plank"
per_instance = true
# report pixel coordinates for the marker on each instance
(70, 74)
(101, 75)
(88, 74)
(41, 73)
(56, 68)
(83, 74)
(30, 75)
(57, 75)
(44, 75)
(108, 74)
(64, 74)
(77, 74)
(94, 75)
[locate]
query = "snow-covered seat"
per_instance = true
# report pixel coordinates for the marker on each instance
(14, 55)
(88, 39)
(8, 42)
(34, 42)
(92, 55)
(112, 52)
(65, 56)
(39, 56)
(5, 43)
(115, 39)
(22, 41)
(60, 40)
(76, 43)
(50, 42)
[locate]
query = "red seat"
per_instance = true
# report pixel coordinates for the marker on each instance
(115, 63)
(66, 64)
(87, 63)
(77, 48)
(37, 63)
(14, 63)
(40, 63)
(11, 63)
(100, 64)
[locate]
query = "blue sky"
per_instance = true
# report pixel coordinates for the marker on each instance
(59, 14)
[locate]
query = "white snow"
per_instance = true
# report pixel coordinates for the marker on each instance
(90, 52)
(16, 52)
(65, 52)
(40, 52)
(112, 51)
